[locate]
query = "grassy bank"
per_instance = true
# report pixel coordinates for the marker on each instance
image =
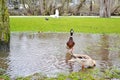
(90, 74)
(64, 24)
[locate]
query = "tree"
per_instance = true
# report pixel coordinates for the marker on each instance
(4, 26)
(68, 1)
(105, 6)
(90, 7)
(80, 5)
(115, 7)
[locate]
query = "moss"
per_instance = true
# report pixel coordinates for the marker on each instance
(4, 26)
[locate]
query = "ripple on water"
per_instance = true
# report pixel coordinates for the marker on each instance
(45, 52)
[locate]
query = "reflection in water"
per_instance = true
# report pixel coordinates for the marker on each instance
(45, 52)
(3, 62)
(104, 51)
(104, 47)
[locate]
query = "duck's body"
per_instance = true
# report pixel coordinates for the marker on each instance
(70, 43)
(83, 60)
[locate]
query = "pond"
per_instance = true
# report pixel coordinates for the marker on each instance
(45, 52)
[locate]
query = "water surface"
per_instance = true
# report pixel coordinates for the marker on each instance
(45, 52)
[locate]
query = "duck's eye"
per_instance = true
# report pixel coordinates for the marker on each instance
(94, 65)
(80, 57)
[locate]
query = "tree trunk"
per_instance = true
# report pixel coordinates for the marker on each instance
(90, 7)
(44, 7)
(80, 5)
(62, 7)
(105, 8)
(4, 27)
(68, 1)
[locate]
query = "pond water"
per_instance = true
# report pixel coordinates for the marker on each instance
(45, 52)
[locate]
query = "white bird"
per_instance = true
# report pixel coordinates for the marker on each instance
(83, 60)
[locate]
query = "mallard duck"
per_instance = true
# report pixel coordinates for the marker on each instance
(70, 43)
(83, 60)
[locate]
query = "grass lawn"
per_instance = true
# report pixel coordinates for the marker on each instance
(64, 24)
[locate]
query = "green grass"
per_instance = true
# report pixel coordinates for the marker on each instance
(64, 24)
(90, 74)
(4, 77)
(112, 73)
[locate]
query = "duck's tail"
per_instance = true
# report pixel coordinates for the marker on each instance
(71, 32)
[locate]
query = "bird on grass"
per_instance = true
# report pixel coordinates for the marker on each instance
(70, 43)
(46, 18)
